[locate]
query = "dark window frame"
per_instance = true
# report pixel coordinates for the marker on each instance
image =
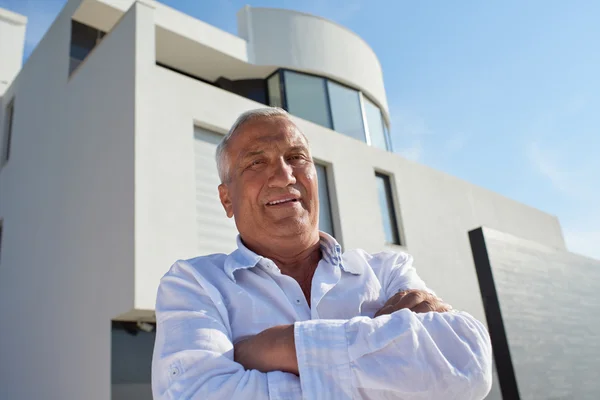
(330, 193)
(9, 116)
(392, 209)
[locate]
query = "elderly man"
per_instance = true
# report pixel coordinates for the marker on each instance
(288, 315)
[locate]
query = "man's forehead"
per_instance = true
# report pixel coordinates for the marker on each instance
(271, 133)
(274, 143)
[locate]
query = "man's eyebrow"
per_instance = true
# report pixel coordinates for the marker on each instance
(251, 153)
(297, 148)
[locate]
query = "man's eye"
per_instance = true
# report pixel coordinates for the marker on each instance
(296, 157)
(256, 162)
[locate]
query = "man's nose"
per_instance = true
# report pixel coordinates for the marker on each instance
(282, 175)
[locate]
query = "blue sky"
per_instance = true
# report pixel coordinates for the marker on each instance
(503, 94)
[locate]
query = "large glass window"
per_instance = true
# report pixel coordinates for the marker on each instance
(306, 97)
(8, 127)
(376, 124)
(329, 104)
(325, 215)
(345, 111)
(83, 40)
(386, 205)
(274, 91)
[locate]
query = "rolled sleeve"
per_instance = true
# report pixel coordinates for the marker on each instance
(323, 360)
(283, 386)
(414, 356)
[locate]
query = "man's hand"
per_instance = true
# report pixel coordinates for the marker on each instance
(273, 349)
(419, 301)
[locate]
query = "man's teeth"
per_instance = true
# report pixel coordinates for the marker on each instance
(272, 203)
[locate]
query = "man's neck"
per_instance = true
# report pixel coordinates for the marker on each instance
(295, 257)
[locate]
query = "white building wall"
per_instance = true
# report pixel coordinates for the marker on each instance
(67, 199)
(12, 44)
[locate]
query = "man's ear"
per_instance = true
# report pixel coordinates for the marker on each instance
(226, 199)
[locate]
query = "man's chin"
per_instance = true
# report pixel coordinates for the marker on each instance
(291, 227)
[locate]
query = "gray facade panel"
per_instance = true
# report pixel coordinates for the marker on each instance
(549, 307)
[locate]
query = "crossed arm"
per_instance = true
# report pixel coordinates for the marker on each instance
(400, 352)
(274, 349)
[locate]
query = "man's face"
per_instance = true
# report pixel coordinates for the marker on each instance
(272, 189)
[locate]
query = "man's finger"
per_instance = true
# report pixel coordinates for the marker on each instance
(411, 299)
(385, 310)
(423, 307)
(396, 298)
(426, 306)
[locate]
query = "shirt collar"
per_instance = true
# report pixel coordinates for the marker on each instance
(244, 258)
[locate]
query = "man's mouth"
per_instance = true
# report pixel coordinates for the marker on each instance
(282, 201)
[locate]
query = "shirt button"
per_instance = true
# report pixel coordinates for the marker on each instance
(297, 301)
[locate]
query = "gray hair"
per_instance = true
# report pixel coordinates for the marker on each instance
(221, 154)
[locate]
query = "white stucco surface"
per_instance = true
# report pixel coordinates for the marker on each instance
(67, 200)
(12, 42)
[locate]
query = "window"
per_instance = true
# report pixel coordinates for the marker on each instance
(83, 40)
(8, 125)
(386, 132)
(130, 359)
(345, 111)
(377, 132)
(253, 89)
(386, 205)
(215, 233)
(274, 88)
(325, 214)
(329, 104)
(306, 97)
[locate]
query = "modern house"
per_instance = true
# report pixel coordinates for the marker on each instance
(107, 176)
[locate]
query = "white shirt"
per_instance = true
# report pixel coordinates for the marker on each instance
(207, 304)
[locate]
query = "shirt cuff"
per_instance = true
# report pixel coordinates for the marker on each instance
(283, 386)
(323, 359)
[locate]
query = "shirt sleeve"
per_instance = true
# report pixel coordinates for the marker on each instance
(193, 352)
(396, 272)
(402, 355)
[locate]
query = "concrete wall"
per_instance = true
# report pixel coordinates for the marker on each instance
(12, 44)
(313, 44)
(67, 199)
